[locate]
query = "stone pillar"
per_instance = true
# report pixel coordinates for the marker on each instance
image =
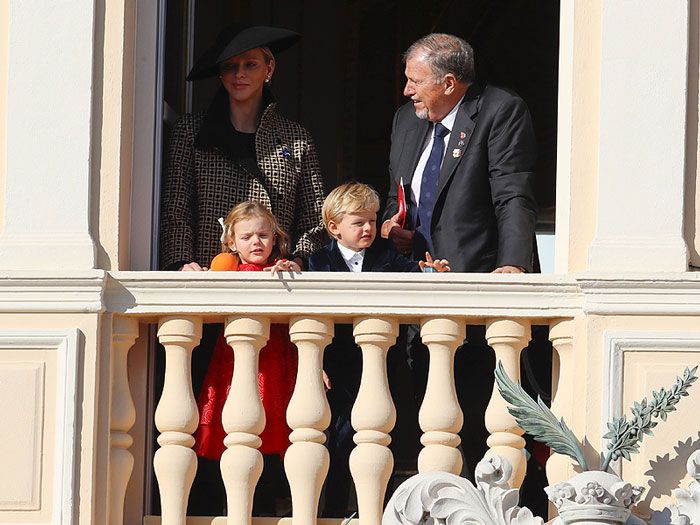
(125, 330)
(243, 417)
(176, 418)
(642, 138)
(49, 133)
(561, 333)
(308, 415)
(373, 416)
(440, 416)
(507, 337)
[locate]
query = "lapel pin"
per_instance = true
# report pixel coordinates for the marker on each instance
(462, 135)
(285, 152)
(456, 153)
(460, 143)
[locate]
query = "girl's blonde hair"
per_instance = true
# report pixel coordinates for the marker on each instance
(249, 210)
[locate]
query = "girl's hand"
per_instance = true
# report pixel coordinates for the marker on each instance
(193, 267)
(438, 265)
(283, 265)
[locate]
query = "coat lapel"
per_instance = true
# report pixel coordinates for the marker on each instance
(462, 131)
(336, 259)
(370, 258)
(412, 148)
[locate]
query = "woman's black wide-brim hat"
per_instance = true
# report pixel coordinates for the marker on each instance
(235, 40)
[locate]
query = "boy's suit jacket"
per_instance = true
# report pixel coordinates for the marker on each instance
(380, 257)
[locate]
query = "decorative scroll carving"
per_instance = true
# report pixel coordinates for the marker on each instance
(686, 511)
(436, 498)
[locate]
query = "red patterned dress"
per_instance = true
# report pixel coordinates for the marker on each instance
(276, 377)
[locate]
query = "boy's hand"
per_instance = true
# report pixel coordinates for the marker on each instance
(438, 265)
(283, 265)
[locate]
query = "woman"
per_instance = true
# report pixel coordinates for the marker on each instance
(240, 149)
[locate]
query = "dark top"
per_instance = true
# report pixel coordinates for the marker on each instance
(380, 257)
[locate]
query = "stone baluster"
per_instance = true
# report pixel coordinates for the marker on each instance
(373, 417)
(176, 418)
(243, 417)
(125, 330)
(559, 466)
(507, 337)
(308, 415)
(440, 416)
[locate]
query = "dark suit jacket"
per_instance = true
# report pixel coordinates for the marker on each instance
(380, 257)
(485, 212)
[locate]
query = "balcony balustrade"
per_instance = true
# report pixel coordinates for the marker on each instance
(443, 305)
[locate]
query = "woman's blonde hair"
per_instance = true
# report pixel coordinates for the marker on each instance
(249, 210)
(351, 197)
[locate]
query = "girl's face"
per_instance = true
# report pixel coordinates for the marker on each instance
(253, 239)
(244, 75)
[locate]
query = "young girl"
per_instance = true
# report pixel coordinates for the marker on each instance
(252, 234)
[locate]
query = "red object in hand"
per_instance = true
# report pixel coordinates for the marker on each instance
(224, 262)
(401, 202)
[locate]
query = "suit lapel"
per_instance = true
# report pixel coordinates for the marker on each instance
(413, 141)
(336, 259)
(462, 131)
(370, 258)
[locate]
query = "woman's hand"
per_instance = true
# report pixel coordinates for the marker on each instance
(283, 265)
(438, 265)
(193, 267)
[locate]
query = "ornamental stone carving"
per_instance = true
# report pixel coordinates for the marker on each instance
(436, 498)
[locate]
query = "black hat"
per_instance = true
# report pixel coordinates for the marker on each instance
(234, 40)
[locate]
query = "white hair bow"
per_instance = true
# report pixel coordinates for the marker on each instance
(223, 227)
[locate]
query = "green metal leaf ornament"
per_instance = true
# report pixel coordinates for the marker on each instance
(537, 419)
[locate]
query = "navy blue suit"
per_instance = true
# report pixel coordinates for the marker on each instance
(343, 365)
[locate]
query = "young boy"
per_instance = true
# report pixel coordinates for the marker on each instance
(350, 216)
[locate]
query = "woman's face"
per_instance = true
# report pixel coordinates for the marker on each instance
(244, 75)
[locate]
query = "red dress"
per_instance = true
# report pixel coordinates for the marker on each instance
(277, 371)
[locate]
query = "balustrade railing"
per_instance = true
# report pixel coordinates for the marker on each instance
(442, 305)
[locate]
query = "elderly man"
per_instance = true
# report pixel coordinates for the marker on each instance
(465, 153)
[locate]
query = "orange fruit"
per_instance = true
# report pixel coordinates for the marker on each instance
(224, 262)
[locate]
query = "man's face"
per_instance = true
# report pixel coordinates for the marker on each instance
(428, 98)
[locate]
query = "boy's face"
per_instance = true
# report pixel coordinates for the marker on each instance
(355, 231)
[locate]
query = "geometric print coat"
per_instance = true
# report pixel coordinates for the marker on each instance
(205, 179)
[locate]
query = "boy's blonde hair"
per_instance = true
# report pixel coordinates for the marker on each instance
(351, 197)
(249, 210)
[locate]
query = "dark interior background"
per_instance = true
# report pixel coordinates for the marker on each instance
(344, 81)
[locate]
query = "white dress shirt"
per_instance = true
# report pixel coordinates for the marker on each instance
(448, 122)
(352, 258)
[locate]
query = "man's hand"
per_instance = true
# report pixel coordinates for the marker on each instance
(508, 269)
(402, 239)
(193, 267)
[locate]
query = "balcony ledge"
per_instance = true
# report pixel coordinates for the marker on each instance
(213, 295)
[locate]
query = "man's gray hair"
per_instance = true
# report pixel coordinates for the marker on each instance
(445, 54)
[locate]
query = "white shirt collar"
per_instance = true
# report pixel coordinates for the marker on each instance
(352, 258)
(449, 120)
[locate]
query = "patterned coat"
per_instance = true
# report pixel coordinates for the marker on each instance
(204, 180)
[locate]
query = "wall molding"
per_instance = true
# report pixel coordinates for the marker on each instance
(66, 344)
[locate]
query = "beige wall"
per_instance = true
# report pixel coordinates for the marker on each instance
(578, 160)
(656, 350)
(113, 145)
(692, 194)
(4, 39)
(35, 413)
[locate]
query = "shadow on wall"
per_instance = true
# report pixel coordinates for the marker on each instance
(668, 472)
